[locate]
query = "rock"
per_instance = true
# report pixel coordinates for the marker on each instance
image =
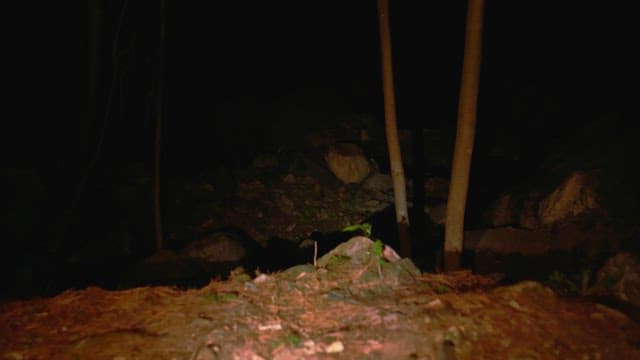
(294, 272)
(513, 210)
(573, 197)
(162, 256)
(437, 188)
(380, 188)
(357, 250)
(286, 205)
(528, 216)
(437, 213)
(509, 240)
(357, 254)
(576, 195)
(162, 267)
(503, 211)
(348, 162)
(619, 278)
(217, 247)
(379, 182)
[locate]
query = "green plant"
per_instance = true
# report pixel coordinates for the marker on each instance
(378, 249)
(441, 289)
(288, 340)
(292, 340)
(378, 253)
(365, 228)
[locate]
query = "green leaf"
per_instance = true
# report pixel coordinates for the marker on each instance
(365, 228)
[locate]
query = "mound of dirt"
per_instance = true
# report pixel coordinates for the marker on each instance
(357, 306)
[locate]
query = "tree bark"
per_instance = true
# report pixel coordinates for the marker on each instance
(395, 156)
(467, 107)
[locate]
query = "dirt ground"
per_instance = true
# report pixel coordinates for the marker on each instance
(341, 309)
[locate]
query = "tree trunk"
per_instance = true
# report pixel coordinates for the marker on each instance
(158, 126)
(395, 157)
(454, 227)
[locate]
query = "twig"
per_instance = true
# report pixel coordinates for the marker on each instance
(315, 253)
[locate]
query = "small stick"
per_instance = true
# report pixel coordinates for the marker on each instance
(315, 253)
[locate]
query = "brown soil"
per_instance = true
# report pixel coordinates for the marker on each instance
(340, 311)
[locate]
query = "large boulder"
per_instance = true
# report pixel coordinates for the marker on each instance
(379, 183)
(515, 210)
(573, 197)
(217, 247)
(437, 188)
(619, 278)
(348, 162)
(576, 195)
(502, 211)
(509, 240)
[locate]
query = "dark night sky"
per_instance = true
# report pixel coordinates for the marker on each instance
(236, 66)
(565, 59)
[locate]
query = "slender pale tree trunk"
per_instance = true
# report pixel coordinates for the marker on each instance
(454, 227)
(395, 156)
(157, 213)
